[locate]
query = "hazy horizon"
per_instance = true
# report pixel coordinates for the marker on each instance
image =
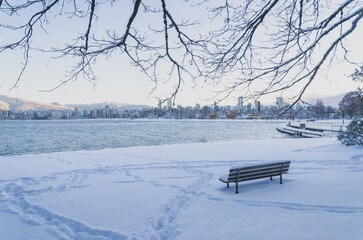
(327, 100)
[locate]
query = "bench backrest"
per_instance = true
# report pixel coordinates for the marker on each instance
(258, 171)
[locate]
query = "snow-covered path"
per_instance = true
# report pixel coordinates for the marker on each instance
(173, 192)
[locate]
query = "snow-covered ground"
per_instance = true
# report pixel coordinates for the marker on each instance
(173, 192)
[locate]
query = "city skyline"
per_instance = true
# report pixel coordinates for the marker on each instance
(18, 111)
(11, 100)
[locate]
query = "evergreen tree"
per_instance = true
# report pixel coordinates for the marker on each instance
(354, 133)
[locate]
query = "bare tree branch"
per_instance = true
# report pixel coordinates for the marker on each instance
(277, 45)
(89, 23)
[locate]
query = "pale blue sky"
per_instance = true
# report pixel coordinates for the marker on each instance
(119, 81)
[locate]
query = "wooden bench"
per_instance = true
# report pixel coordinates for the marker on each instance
(251, 172)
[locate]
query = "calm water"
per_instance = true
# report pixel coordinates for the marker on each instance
(20, 137)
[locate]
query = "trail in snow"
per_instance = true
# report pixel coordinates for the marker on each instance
(15, 193)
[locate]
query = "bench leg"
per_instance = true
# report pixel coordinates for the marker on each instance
(236, 187)
(280, 178)
(270, 178)
(227, 185)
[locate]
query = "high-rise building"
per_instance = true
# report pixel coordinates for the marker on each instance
(160, 105)
(240, 104)
(94, 113)
(103, 112)
(169, 103)
(258, 106)
(249, 108)
(240, 101)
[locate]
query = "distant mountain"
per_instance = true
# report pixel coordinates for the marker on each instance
(134, 107)
(4, 105)
(55, 103)
(111, 105)
(328, 101)
(17, 105)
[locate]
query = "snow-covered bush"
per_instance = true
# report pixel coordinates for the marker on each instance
(354, 133)
(202, 140)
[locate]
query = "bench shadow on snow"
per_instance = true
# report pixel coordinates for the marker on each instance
(256, 185)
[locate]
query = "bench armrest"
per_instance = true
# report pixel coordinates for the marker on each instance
(224, 178)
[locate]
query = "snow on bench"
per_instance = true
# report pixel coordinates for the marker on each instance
(252, 172)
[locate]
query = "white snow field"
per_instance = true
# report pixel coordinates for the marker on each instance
(173, 192)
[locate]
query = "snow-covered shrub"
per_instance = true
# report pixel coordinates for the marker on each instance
(202, 140)
(354, 133)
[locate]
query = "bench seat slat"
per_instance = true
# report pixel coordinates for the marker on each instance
(260, 170)
(258, 166)
(284, 170)
(255, 176)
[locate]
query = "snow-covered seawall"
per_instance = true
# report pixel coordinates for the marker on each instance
(173, 192)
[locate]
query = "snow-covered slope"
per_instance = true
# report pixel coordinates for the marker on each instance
(4, 105)
(172, 192)
(112, 105)
(18, 104)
